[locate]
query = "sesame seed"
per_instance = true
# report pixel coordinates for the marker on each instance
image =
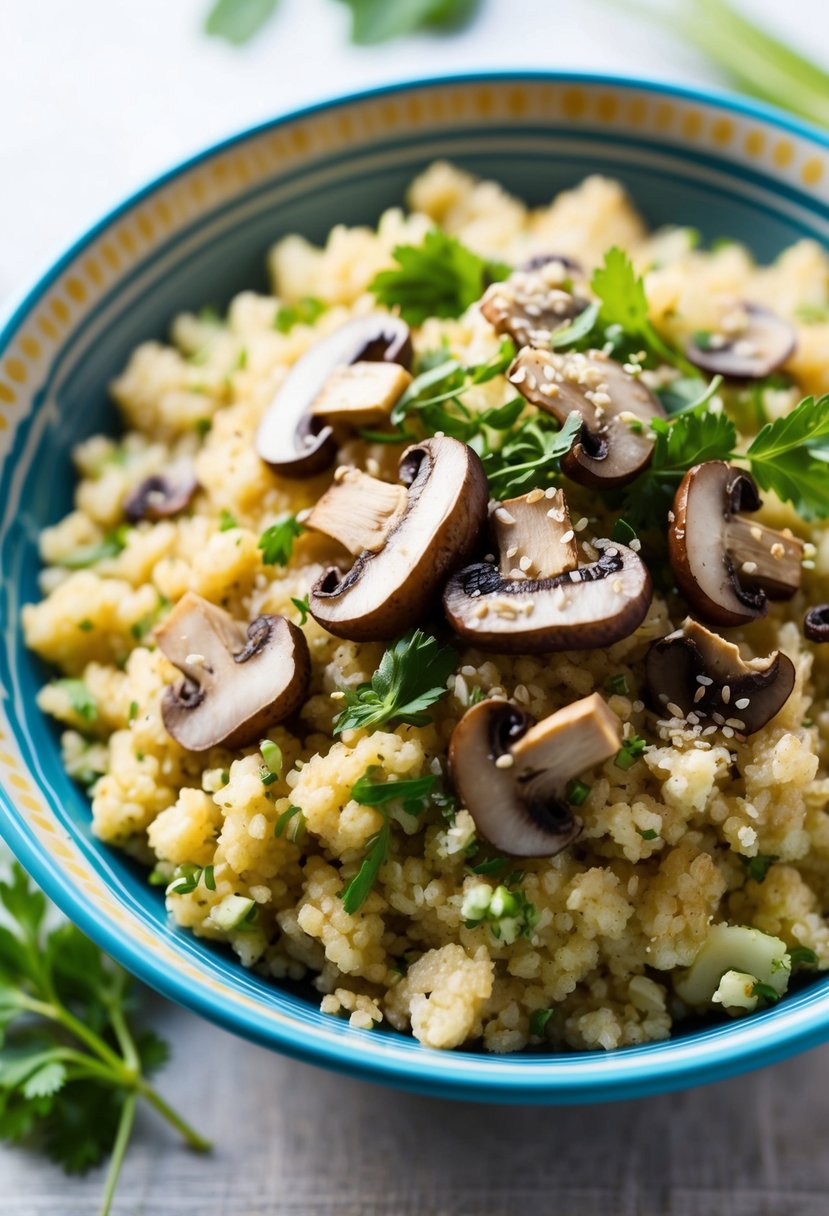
(736, 723)
(195, 660)
(567, 537)
(728, 732)
(726, 693)
(476, 593)
(337, 695)
(777, 550)
(525, 563)
(674, 710)
(698, 695)
(512, 550)
(575, 576)
(581, 525)
(749, 567)
(503, 516)
(534, 496)
(757, 532)
(705, 680)
(519, 376)
(505, 761)
(743, 703)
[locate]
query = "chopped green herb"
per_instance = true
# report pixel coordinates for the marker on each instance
(241, 361)
(133, 712)
(803, 956)
(209, 878)
(438, 278)
(494, 866)
(303, 608)
(160, 875)
(577, 793)
(631, 750)
(621, 294)
(81, 700)
(224, 776)
(375, 21)
(412, 675)
(538, 1022)
(578, 329)
(209, 314)
(648, 833)
(186, 878)
(758, 867)
(476, 694)
(306, 311)
(617, 685)
(277, 541)
(413, 793)
(202, 427)
(766, 992)
(266, 776)
(507, 911)
(532, 456)
(272, 755)
(813, 314)
(226, 521)
(88, 555)
(293, 817)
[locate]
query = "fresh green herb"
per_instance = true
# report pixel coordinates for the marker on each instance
(306, 311)
(447, 804)
(202, 427)
(623, 532)
(412, 675)
(277, 541)
(621, 294)
(265, 775)
(803, 956)
(81, 700)
(617, 685)
(538, 1022)
(494, 866)
(374, 21)
(476, 694)
(88, 555)
(237, 21)
(209, 878)
(397, 435)
(86, 626)
(186, 878)
(688, 394)
(508, 912)
(72, 1068)
(648, 833)
(790, 455)
(224, 776)
(227, 522)
(688, 440)
(241, 361)
(355, 894)
(413, 793)
(812, 314)
(631, 750)
(532, 456)
(209, 314)
(303, 608)
(438, 278)
(293, 817)
(133, 712)
(577, 793)
(578, 329)
(140, 628)
(160, 875)
(759, 866)
(765, 991)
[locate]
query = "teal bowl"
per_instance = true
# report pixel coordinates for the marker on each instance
(200, 233)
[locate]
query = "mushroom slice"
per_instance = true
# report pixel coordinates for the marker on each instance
(538, 600)
(297, 443)
(532, 304)
(728, 567)
(816, 623)
(615, 444)
(697, 672)
(512, 773)
(162, 494)
(238, 680)
(361, 394)
(405, 539)
(752, 343)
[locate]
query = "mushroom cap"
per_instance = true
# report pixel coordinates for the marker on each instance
(615, 444)
(162, 494)
(298, 444)
(386, 592)
(532, 304)
(816, 623)
(579, 610)
(238, 681)
(675, 663)
(762, 346)
(701, 540)
(537, 828)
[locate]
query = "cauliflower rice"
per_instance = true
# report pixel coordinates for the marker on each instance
(666, 843)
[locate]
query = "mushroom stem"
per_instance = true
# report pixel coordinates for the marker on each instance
(358, 511)
(768, 559)
(564, 746)
(534, 536)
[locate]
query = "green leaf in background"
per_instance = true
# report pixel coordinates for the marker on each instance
(374, 21)
(237, 21)
(440, 277)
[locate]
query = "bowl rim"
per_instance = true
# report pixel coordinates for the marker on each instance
(582, 1076)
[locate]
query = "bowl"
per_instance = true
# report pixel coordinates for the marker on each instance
(198, 234)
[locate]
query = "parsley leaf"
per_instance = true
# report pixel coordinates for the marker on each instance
(237, 21)
(305, 312)
(81, 700)
(759, 866)
(227, 521)
(277, 541)
(766, 992)
(413, 793)
(690, 439)
(303, 608)
(531, 455)
(438, 278)
(621, 293)
(791, 457)
(803, 956)
(72, 1070)
(376, 21)
(88, 555)
(355, 894)
(412, 675)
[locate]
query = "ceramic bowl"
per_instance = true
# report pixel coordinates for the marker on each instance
(199, 233)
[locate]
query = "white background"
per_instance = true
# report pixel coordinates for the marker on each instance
(98, 95)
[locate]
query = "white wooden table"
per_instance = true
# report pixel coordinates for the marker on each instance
(95, 96)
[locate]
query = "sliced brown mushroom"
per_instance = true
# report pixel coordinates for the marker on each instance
(816, 623)
(538, 599)
(298, 443)
(512, 773)
(162, 494)
(239, 680)
(532, 303)
(405, 538)
(752, 343)
(615, 444)
(569, 266)
(728, 567)
(697, 675)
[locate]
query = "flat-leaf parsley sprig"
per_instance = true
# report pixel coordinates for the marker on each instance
(413, 795)
(412, 675)
(440, 277)
(72, 1070)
